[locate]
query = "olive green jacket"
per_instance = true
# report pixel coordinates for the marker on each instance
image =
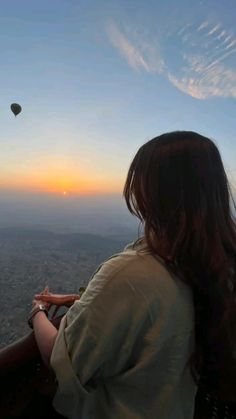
(122, 349)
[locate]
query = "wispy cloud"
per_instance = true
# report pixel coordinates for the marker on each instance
(228, 38)
(204, 71)
(232, 43)
(203, 25)
(220, 58)
(221, 35)
(214, 29)
(184, 28)
(129, 51)
(142, 56)
(216, 82)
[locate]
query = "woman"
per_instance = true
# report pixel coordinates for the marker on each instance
(158, 318)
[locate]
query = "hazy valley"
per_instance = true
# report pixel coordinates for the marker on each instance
(32, 258)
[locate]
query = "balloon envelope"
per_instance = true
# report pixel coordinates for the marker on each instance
(16, 108)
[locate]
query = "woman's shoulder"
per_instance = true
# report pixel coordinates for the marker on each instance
(130, 267)
(131, 256)
(114, 271)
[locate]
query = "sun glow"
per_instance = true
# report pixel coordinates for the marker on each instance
(48, 187)
(56, 177)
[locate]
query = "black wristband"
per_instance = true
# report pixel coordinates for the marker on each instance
(41, 307)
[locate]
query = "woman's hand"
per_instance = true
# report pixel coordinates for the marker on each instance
(57, 299)
(36, 302)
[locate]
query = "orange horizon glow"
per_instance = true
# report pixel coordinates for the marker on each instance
(64, 185)
(60, 191)
(59, 176)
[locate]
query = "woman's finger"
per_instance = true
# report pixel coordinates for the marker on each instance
(56, 299)
(44, 297)
(48, 299)
(45, 291)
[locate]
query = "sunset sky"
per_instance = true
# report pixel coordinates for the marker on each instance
(96, 79)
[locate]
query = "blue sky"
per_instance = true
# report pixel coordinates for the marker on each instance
(96, 79)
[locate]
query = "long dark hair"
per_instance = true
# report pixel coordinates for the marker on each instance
(177, 186)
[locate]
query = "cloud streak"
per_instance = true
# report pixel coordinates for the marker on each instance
(217, 82)
(215, 29)
(142, 56)
(203, 25)
(202, 54)
(129, 51)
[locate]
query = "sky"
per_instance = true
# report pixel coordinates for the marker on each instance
(96, 79)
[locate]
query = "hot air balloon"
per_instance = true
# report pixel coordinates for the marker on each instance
(16, 108)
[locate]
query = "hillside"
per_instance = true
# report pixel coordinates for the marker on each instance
(31, 259)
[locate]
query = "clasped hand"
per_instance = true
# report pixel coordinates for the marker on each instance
(58, 300)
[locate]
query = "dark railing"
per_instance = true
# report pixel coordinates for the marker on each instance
(27, 385)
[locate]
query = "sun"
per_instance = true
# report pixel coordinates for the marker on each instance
(64, 193)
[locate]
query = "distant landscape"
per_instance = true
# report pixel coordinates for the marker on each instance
(31, 258)
(104, 215)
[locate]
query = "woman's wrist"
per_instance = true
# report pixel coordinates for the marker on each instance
(38, 315)
(40, 308)
(45, 335)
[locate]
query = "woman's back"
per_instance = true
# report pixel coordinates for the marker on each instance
(127, 348)
(140, 348)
